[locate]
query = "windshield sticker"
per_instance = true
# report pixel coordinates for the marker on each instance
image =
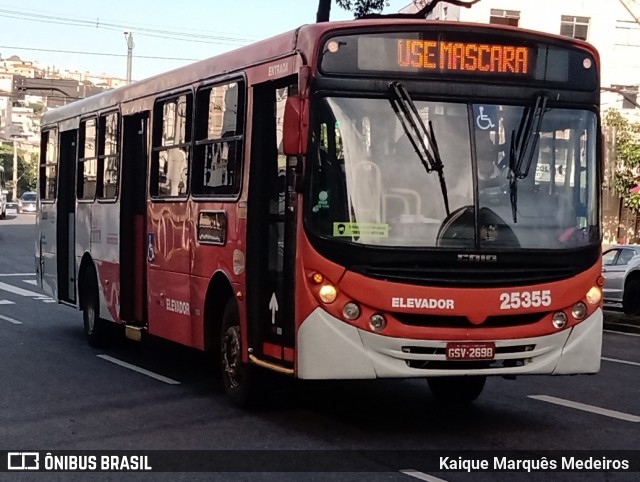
(374, 230)
(484, 118)
(323, 201)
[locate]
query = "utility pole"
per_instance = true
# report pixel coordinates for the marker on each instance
(130, 46)
(15, 171)
(633, 9)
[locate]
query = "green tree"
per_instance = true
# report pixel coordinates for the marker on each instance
(626, 171)
(27, 169)
(370, 8)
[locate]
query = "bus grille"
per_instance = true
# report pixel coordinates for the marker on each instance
(468, 277)
(444, 321)
(506, 357)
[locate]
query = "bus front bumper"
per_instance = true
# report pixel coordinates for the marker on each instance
(329, 348)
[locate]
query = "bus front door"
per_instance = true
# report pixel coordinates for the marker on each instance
(270, 232)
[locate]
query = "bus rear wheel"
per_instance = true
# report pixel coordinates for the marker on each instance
(456, 389)
(95, 328)
(240, 380)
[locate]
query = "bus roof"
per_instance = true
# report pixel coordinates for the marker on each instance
(303, 40)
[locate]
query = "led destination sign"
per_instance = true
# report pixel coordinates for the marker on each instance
(463, 56)
(458, 54)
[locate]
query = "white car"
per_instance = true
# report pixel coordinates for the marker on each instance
(621, 271)
(28, 203)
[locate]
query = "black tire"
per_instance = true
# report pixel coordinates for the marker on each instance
(241, 380)
(631, 297)
(456, 390)
(95, 328)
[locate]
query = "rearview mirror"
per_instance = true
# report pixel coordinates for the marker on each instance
(295, 126)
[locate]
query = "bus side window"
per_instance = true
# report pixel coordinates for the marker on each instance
(87, 161)
(108, 161)
(171, 147)
(219, 129)
(49, 165)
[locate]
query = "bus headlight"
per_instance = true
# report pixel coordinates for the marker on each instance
(579, 310)
(594, 295)
(328, 293)
(377, 322)
(351, 311)
(559, 319)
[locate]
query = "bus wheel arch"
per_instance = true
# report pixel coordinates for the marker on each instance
(95, 328)
(223, 340)
(87, 267)
(219, 293)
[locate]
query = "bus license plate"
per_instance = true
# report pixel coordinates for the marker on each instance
(471, 351)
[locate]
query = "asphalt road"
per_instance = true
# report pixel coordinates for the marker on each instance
(60, 394)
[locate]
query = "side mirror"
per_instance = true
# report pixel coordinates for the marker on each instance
(295, 126)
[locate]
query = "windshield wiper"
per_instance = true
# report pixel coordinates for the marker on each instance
(416, 132)
(523, 146)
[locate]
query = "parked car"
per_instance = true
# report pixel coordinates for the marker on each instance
(621, 271)
(27, 203)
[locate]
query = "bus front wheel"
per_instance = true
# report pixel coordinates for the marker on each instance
(240, 379)
(95, 328)
(456, 389)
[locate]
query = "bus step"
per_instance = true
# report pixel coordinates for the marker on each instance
(133, 332)
(270, 365)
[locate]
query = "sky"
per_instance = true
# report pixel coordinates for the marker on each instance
(81, 35)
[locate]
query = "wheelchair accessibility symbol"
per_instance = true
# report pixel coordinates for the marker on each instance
(483, 121)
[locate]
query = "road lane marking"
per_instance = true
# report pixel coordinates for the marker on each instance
(19, 291)
(587, 408)
(6, 302)
(17, 274)
(622, 332)
(10, 320)
(421, 476)
(624, 362)
(30, 281)
(139, 370)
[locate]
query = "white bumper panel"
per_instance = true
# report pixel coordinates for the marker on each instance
(328, 348)
(581, 353)
(331, 349)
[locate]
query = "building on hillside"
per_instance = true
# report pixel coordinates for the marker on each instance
(102, 81)
(614, 30)
(6, 85)
(25, 68)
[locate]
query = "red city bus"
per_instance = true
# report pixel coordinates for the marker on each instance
(350, 200)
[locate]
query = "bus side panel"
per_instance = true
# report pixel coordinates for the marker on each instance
(105, 237)
(209, 258)
(168, 279)
(48, 261)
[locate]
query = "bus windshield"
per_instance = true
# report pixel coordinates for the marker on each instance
(371, 183)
